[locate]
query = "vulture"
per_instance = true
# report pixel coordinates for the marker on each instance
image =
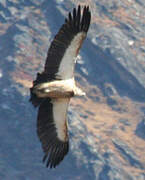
(53, 88)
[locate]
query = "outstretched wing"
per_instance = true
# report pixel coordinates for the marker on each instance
(63, 50)
(52, 130)
(66, 44)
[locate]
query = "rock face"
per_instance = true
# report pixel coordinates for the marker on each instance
(107, 127)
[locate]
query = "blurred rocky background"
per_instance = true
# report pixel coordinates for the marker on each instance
(107, 127)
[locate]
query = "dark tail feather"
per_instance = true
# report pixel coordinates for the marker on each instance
(36, 101)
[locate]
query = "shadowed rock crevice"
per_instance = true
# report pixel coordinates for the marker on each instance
(140, 129)
(103, 175)
(103, 64)
(54, 22)
(128, 154)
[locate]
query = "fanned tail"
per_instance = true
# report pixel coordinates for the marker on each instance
(36, 101)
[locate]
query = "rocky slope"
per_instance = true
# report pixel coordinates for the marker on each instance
(107, 128)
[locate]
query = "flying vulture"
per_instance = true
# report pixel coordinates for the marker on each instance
(53, 88)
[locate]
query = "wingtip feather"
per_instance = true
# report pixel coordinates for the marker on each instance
(78, 23)
(56, 154)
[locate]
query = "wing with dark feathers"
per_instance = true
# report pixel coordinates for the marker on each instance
(52, 130)
(63, 50)
(65, 47)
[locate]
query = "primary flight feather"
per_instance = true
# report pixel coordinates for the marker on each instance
(54, 87)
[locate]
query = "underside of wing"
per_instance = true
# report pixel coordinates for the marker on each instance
(66, 44)
(52, 130)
